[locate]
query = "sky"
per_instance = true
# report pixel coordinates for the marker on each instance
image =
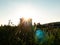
(43, 11)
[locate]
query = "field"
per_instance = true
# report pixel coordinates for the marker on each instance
(11, 35)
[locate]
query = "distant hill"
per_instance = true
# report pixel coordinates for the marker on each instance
(52, 25)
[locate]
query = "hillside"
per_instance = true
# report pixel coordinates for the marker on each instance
(52, 24)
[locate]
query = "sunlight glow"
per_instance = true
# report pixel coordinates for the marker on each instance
(28, 11)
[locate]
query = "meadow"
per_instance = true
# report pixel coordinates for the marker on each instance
(10, 35)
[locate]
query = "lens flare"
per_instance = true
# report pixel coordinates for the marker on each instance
(40, 35)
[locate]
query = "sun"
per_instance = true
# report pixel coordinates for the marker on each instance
(26, 19)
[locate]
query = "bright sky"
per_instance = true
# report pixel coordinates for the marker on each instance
(43, 11)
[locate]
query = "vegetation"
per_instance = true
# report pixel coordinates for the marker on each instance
(10, 35)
